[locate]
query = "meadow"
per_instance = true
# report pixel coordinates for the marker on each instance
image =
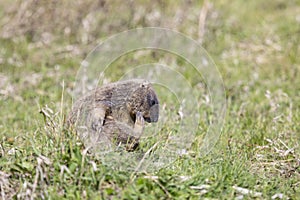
(255, 46)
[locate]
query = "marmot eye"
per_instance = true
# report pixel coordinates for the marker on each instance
(152, 102)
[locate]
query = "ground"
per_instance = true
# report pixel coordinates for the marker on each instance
(255, 45)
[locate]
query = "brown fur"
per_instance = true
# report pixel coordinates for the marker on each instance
(113, 110)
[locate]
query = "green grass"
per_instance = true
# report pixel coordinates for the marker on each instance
(256, 48)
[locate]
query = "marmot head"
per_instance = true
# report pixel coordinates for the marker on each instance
(144, 100)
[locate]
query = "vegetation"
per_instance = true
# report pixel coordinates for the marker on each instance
(256, 46)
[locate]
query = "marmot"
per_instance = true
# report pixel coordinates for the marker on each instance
(117, 110)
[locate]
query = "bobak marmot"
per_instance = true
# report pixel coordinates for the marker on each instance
(116, 111)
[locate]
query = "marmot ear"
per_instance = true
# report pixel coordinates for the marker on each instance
(144, 84)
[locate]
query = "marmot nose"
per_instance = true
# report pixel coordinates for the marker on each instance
(154, 113)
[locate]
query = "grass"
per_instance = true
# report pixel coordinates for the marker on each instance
(255, 46)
